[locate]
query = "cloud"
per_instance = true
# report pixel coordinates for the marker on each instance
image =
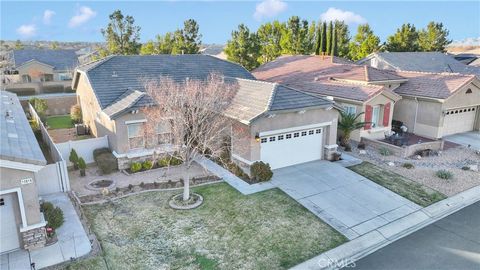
(333, 14)
(27, 30)
(269, 8)
(84, 14)
(47, 16)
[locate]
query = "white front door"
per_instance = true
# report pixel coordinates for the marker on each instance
(286, 149)
(459, 120)
(9, 239)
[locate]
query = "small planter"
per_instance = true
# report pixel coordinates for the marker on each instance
(176, 202)
(100, 184)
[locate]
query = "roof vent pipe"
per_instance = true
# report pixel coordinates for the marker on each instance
(329, 98)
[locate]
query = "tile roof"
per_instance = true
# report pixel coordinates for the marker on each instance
(18, 143)
(255, 98)
(126, 101)
(111, 77)
(318, 75)
(431, 85)
(58, 59)
(424, 62)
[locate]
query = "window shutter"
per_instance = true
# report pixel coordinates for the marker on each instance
(386, 115)
(368, 116)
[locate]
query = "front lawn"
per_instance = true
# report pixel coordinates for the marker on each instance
(404, 187)
(267, 230)
(59, 122)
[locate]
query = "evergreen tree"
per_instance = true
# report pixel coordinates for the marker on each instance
(18, 45)
(363, 43)
(329, 37)
(121, 34)
(334, 50)
(318, 44)
(404, 40)
(323, 43)
(243, 48)
(343, 38)
(148, 48)
(434, 38)
(269, 37)
(165, 43)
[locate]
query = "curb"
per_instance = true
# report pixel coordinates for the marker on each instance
(366, 244)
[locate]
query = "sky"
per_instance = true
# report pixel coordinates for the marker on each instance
(82, 21)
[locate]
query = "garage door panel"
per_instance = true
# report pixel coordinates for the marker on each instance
(459, 120)
(9, 239)
(286, 149)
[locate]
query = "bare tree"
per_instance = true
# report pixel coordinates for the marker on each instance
(194, 112)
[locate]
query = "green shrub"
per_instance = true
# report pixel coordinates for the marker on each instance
(105, 160)
(261, 171)
(466, 168)
(408, 165)
(175, 161)
(163, 162)
(384, 151)
(169, 161)
(82, 166)
(147, 165)
(76, 113)
(73, 159)
(135, 167)
(53, 215)
(444, 174)
(235, 169)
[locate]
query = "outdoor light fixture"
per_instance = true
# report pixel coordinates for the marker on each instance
(257, 137)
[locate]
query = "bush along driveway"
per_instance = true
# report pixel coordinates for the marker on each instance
(406, 188)
(266, 230)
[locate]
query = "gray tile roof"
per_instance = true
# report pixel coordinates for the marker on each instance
(58, 59)
(424, 62)
(112, 77)
(124, 102)
(255, 98)
(18, 142)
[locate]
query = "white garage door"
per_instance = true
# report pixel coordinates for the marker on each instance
(459, 120)
(286, 149)
(9, 239)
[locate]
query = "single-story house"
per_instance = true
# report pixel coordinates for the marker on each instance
(273, 123)
(358, 89)
(434, 105)
(22, 224)
(436, 62)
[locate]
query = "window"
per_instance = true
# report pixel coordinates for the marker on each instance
(135, 136)
(64, 76)
(2, 202)
(272, 139)
(304, 133)
(310, 132)
(288, 136)
(350, 109)
(376, 116)
(318, 131)
(164, 132)
(263, 140)
(280, 137)
(46, 77)
(26, 78)
(295, 135)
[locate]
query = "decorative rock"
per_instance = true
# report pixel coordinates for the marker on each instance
(362, 152)
(419, 157)
(391, 164)
(473, 168)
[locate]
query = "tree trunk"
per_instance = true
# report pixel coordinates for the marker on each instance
(346, 138)
(186, 183)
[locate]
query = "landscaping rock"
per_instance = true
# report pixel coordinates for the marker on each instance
(473, 168)
(362, 152)
(418, 157)
(391, 164)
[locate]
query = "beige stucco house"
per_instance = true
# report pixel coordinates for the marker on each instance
(358, 89)
(22, 224)
(272, 123)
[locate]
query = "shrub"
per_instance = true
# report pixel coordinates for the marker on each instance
(105, 160)
(142, 184)
(82, 166)
(261, 171)
(361, 145)
(384, 151)
(444, 174)
(169, 161)
(53, 215)
(163, 162)
(408, 165)
(135, 167)
(175, 161)
(336, 156)
(130, 186)
(348, 148)
(466, 168)
(73, 159)
(235, 169)
(76, 113)
(147, 165)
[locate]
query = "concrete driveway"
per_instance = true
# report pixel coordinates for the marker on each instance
(349, 202)
(471, 138)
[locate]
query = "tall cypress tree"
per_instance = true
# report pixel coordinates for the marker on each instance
(323, 44)
(329, 37)
(319, 38)
(334, 43)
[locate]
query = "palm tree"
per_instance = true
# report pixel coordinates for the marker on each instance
(347, 124)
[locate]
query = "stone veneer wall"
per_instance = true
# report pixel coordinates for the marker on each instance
(35, 238)
(404, 151)
(124, 162)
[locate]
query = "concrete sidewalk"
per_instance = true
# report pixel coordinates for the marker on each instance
(364, 245)
(72, 242)
(471, 138)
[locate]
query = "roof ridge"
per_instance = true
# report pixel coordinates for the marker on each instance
(436, 73)
(272, 96)
(97, 63)
(305, 93)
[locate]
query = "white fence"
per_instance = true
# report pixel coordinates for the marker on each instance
(53, 177)
(84, 148)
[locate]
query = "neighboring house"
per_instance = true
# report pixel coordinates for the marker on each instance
(273, 123)
(434, 105)
(358, 89)
(21, 222)
(465, 58)
(418, 61)
(39, 71)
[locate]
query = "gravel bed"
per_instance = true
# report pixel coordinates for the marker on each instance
(452, 160)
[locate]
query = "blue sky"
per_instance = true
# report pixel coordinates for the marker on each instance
(82, 21)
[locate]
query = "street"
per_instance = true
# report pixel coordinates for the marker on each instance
(450, 243)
